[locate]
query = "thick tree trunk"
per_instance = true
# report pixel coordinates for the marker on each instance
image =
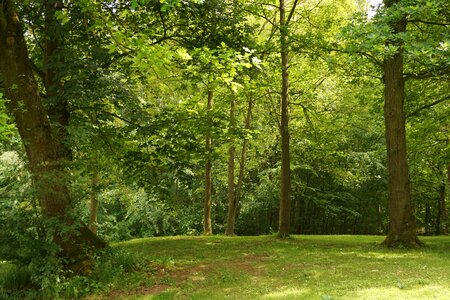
(285, 190)
(207, 228)
(231, 186)
(50, 178)
(402, 221)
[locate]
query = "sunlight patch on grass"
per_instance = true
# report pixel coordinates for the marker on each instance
(382, 293)
(384, 256)
(286, 293)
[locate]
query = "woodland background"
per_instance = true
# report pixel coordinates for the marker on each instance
(127, 119)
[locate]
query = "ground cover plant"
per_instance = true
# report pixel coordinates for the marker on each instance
(265, 267)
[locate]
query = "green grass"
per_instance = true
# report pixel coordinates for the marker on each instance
(302, 267)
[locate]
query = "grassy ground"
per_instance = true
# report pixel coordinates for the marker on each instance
(303, 267)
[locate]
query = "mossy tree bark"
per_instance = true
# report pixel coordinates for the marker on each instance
(26, 106)
(402, 221)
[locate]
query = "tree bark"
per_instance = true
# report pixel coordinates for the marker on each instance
(402, 221)
(285, 189)
(26, 105)
(242, 161)
(207, 228)
(231, 157)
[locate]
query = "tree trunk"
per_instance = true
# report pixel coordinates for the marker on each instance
(285, 190)
(207, 228)
(442, 218)
(381, 228)
(444, 206)
(231, 186)
(93, 203)
(402, 221)
(242, 164)
(25, 104)
(427, 219)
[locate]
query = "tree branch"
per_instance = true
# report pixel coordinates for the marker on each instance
(428, 22)
(291, 13)
(417, 111)
(440, 72)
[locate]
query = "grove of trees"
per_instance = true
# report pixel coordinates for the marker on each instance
(124, 119)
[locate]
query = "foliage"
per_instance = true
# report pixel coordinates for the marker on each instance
(109, 268)
(6, 129)
(135, 76)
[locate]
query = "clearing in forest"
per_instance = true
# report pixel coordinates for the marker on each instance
(301, 267)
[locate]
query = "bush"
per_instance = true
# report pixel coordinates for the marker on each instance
(49, 280)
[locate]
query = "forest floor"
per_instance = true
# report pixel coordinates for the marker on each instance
(301, 267)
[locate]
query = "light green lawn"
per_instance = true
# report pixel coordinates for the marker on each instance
(303, 267)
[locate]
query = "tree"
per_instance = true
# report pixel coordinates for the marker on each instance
(235, 190)
(40, 142)
(402, 42)
(207, 228)
(402, 221)
(231, 216)
(285, 179)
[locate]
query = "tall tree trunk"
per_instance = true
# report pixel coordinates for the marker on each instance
(25, 104)
(242, 161)
(238, 188)
(402, 221)
(231, 157)
(285, 190)
(207, 228)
